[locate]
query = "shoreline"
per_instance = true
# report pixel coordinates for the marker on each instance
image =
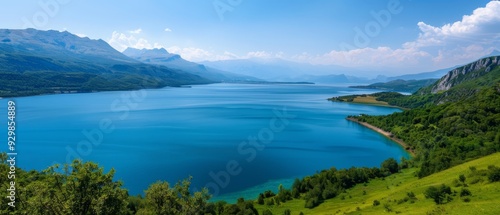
(386, 134)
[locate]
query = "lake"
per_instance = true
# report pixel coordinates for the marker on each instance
(235, 139)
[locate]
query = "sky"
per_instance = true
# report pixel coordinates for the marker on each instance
(397, 36)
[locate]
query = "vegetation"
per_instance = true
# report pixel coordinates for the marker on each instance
(360, 99)
(457, 145)
(13, 84)
(448, 134)
(404, 193)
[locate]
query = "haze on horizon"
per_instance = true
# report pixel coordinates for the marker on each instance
(396, 36)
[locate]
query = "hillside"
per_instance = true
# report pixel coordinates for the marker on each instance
(457, 85)
(163, 58)
(42, 62)
(465, 81)
(392, 194)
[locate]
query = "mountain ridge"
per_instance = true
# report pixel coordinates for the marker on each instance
(44, 62)
(160, 56)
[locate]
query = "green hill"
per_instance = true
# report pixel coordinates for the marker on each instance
(34, 62)
(392, 194)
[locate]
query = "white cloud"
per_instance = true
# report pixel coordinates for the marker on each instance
(436, 47)
(197, 54)
(136, 31)
(121, 41)
(81, 35)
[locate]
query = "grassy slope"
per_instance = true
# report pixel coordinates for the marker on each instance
(484, 200)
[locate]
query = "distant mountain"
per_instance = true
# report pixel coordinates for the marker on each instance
(465, 81)
(421, 76)
(399, 85)
(460, 84)
(282, 70)
(38, 62)
(493, 53)
(174, 61)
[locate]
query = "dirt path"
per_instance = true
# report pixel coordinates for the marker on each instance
(386, 134)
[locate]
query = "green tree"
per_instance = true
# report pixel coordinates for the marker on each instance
(79, 188)
(461, 178)
(162, 199)
(494, 174)
(439, 194)
(390, 165)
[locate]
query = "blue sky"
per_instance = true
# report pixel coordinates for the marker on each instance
(411, 36)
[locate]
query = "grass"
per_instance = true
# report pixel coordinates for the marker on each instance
(391, 192)
(369, 100)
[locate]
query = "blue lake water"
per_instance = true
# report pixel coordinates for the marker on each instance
(236, 139)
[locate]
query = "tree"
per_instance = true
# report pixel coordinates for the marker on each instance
(79, 188)
(465, 192)
(162, 199)
(461, 178)
(260, 200)
(439, 195)
(494, 174)
(390, 165)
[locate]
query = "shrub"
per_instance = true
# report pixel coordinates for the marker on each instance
(390, 165)
(462, 178)
(494, 174)
(312, 202)
(439, 195)
(376, 203)
(411, 195)
(387, 207)
(465, 192)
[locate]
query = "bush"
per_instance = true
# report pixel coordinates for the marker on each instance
(387, 207)
(465, 192)
(287, 212)
(312, 202)
(462, 178)
(390, 165)
(376, 203)
(472, 168)
(260, 200)
(440, 195)
(411, 195)
(494, 174)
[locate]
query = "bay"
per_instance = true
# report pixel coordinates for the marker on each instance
(236, 139)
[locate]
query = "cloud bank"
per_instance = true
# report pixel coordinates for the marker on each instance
(473, 36)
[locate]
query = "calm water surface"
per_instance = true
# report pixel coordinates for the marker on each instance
(173, 133)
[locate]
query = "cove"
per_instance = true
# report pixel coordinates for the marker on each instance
(227, 136)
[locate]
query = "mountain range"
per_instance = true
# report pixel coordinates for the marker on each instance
(41, 62)
(163, 58)
(276, 69)
(36, 62)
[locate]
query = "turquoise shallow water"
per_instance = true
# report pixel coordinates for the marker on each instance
(236, 139)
